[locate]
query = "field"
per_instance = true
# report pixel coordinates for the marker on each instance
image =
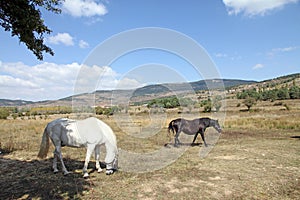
(256, 157)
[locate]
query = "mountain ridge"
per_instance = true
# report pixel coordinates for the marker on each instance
(106, 97)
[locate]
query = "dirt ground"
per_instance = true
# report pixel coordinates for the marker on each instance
(245, 163)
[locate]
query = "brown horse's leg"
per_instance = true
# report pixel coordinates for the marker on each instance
(195, 137)
(203, 138)
(177, 142)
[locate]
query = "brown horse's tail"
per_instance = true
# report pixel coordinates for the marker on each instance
(171, 127)
(44, 148)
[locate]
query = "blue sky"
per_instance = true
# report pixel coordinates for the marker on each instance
(245, 39)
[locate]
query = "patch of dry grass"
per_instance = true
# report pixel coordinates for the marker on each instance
(20, 134)
(284, 120)
(254, 158)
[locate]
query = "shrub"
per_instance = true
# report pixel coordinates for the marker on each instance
(207, 108)
(286, 106)
(4, 113)
(249, 102)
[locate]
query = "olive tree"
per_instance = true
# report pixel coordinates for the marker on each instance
(23, 19)
(249, 102)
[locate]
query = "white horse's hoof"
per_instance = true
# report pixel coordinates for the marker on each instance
(66, 173)
(100, 170)
(85, 175)
(109, 171)
(55, 171)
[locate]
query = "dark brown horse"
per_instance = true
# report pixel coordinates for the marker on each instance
(192, 127)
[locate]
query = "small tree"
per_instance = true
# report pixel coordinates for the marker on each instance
(294, 92)
(207, 108)
(207, 104)
(283, 93)
(4, 113)
(217, 104)
(249, 102)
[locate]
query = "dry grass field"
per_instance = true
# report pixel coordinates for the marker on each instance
(256, 157)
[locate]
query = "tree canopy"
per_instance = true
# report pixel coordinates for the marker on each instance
(292, 92)
(23, 19)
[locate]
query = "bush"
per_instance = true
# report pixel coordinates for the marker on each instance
(169, 102)
(286, 106)
(106, 111)
(294, 92)
(207, 108)
(4, 113)
(249, 102)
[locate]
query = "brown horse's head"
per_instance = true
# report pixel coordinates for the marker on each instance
(216, 125)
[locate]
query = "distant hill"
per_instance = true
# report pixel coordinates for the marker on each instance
(283, 80)
(279, 82)
(8, 102)
(119, 97)
(192, 86)
(106, 97)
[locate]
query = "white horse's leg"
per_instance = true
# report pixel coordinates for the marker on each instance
(89, 151)
(59, 155)
(97, 158)
(54, 166)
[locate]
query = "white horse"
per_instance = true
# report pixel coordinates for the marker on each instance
(90, 133)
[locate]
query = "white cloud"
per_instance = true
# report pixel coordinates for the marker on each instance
(234, 56)
(285, 49)
(61, 38)
(49, 81)
(276, 51)
(221, 55)
(127, 83)
(11, 82)
(258, 66)
(93, 20)
(84, 8)
(102, 78)
(93, 78)
(254, 7)
(83, 44)
(39, 82)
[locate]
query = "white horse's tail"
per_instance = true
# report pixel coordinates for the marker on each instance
(44, 148)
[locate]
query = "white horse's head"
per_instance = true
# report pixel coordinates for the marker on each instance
(113, 166)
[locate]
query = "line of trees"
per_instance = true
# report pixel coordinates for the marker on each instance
(15, 112)
(107, 110)
(170, 102)
(253, 95)
(283, 93)
(210, 104)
